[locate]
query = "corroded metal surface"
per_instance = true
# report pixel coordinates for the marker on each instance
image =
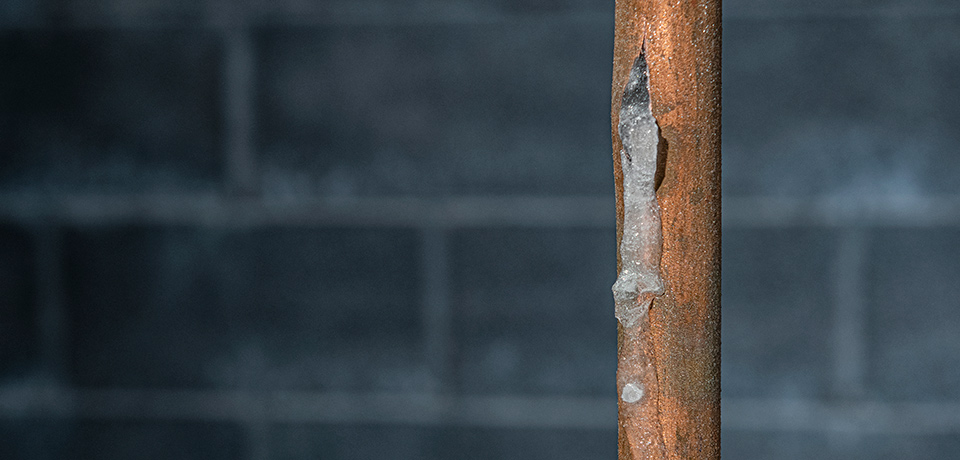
(682, 45)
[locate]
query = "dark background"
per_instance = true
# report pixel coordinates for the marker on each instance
(384, 229)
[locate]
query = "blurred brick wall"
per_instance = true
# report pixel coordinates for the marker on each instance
(369, 229)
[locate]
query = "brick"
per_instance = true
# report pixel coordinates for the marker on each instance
(909, 446)
(55, 14)
(144, 306)
(534, 311)
(750, 445)
(19, 335)
(787, 445)
(121, 440)
(436, 109)
(335, 308)
(429, 10)
(914, 322)
(19, 12)
(265, 308)
(197, 13)
(34, 439)
(841, 105)
(790, 445)
(777, 312)
(353, 442)
(117, 110)
(831, 10)
(523, 444)
(348, 442)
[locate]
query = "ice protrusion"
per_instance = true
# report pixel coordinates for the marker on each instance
(631, 393)
(639, 279)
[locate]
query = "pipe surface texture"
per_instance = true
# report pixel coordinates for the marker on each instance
(668, 376)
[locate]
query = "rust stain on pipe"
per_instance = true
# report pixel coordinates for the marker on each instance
(682, 46)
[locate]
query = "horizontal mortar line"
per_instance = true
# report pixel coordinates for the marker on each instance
(830, 13)
(217, 210)
(862, 417)
(389, 19)
(310, 407)
(464, 211)
(842, 211)
(507, 411)
(200, 19)
(306, 19)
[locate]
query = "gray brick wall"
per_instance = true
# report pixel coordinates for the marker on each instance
(362, 229)
(840, 331)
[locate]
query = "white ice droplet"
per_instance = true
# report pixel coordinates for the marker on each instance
(631, 393)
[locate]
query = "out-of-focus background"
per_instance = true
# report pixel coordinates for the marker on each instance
(385, 229)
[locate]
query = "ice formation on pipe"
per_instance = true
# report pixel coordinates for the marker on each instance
(631, 393)
(639, 279)
(639, 282)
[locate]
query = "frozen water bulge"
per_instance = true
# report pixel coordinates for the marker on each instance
(640, 248)
(631, 393)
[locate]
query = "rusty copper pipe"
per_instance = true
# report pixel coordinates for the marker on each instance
(681, 41)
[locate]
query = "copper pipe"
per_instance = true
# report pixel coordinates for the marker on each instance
(681, 42)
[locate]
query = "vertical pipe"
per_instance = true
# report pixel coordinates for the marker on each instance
(681, 42)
